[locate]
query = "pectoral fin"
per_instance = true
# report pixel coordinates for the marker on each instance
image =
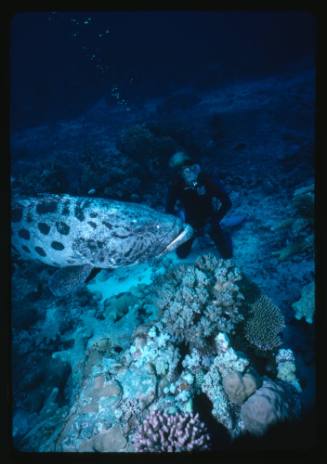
(69, 279)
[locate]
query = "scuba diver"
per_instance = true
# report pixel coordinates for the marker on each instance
(197, 192)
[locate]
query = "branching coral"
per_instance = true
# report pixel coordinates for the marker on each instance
(199, 300)
(197, 365)
(263, 327)
(227, 362)
(158, 350)
(161, 432)
(212, 387)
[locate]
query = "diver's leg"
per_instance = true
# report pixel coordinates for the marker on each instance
(183, 250)
(222, 241)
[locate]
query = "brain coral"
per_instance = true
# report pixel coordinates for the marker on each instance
(161, 432)
(266, 322)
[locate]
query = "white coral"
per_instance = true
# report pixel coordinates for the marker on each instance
(228, 359)
(212, 387)
(158, 351)
(286, 369)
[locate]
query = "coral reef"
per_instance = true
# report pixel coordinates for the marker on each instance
(45, 176)
(263, 327)
(197, 365)
(159, 350)
(227, 382)
(126, 368)
(161, 432)
(199, 300)
(121, 181)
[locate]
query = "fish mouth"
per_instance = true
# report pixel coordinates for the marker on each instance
(184, 235)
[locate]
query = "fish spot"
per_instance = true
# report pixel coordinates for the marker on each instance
(25, 248)
(17, 214)
(119, 235)
(128, 252)
(43, 228)
(109, 226)
(92, 224)
(40, 251)
(57, 245)
(79, 214)
(46, 207)
(23, 233)
(92, 245)
(65, 208)
(93, 214)
(62, 228)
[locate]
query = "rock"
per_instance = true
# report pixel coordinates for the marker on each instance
(305, 306)
(251, 383)
(272, 403)
(86, 446)
(111, 440)
(238, 388)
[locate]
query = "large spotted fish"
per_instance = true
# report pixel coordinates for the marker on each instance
(82, 234)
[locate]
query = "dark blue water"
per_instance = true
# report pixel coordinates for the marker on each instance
(64, 61)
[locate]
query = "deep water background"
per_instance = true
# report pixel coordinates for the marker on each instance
(235, 88)
(146, 54)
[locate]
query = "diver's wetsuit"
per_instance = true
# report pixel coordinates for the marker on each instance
(199, 210)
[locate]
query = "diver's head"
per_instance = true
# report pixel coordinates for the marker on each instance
(186, 167)
(190, 174)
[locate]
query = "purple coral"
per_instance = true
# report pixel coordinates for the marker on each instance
(161, 433)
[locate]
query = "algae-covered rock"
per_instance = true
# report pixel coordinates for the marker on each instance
(272, 403)
(111, 440)
(305, 306)
(239, 387)
(303, 201)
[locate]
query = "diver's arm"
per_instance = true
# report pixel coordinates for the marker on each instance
(216, 190)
